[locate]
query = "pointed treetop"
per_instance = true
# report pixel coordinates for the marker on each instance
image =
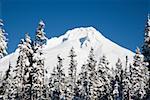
(10, 65)
(137, 50)
(27, 38)
(59, 57)
(104, 60)
(72, 52)
(147, 29)
(91, 52)
(40, 38)
(41, 23)
(40, 30)
(148, 20)
(127, 58)
(22, 41)
(26, 35)
(148, 17)
(104, 56)
(119, 63)
(1, 22)
(119, 60)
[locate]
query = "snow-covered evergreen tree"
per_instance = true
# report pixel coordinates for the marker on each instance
(57, 81)
(125, 86)
(27, 81)
(46, 88)
(38, 73)
(130, 85)
(88, 77)
(51, 83)
(19, 70)
(22, 70)
(146, 45)
(3, 40)
(6, 86)
(116, 90)
(82, 84)
(119, 68)
(119, 76)
(103, 88)
(40, 38)
(126, 81)
(38, 62)
(146, 48)
(72, 73)
(139, 77)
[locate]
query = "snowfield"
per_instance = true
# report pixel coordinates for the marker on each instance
(82, 39)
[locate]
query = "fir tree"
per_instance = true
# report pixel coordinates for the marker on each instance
(22, 62)
(71, 84)
(57, 81)
(119, 76)
(38, 73)
(6, 88)
(52, 80)
(126, 81)
(146, 45)
(138, 77)
(116, 90)
(82, 84)
(22, 70)
(89, 77)
(38, 62)
(3, 40)
(28, 69)
(146, 49)
(103, 88)
(40, 38)
(46, 88)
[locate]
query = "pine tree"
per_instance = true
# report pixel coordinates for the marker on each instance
(119, 77)
(46, 88)
(21, 64)
(40, 38)
(6, 87)
(146, 49)
(88, 77)
(82, 84)
(52, 80)
(38, 62)
(116, 90)
(38, 73)
(126, 81)
(139, 77)
(57, 81)
(3, 40)
(112, 82)
(103, 89)
(146, 45)
(27, 82)
(130, 77)
(71, 84)
(22, 70)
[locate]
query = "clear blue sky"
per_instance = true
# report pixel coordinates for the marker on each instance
(122, 21)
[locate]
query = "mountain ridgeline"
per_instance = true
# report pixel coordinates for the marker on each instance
(80, 65)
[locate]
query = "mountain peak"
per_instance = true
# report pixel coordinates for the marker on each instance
(84, 35)
(82, 32)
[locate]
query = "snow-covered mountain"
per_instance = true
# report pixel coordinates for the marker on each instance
(82, 39)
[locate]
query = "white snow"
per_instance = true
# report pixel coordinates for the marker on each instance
(62, 45)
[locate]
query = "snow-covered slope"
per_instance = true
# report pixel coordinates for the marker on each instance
(82, 39)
